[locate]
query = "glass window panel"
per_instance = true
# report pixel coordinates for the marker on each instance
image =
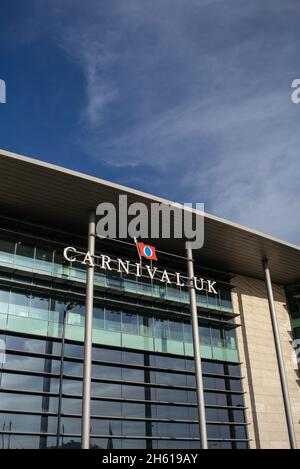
(217, 337)
(170, 378)
(201, 298)
(223, 415)
(226, 444)
(106, 390)
(172, 444)
(27, 344)
(233, 370)
(187, 332)
(72, 386)
(230, 339)
(135, 444)
(171, 412)
(25, 254)
(194, 430)
(219, 368)
(132, 374)
(191, 380)
(161, 329)
(132, 358)
(215, 398)
(72, 406)
(173, 363)
(145, 324)
(4, 300)
(76, 315)
(77, 272)
(106, 427)
(73, 368)
(226, 298)
(205, 335)
(211, 414)
(103, 371)
(176, 329)
(57, 308)
(237, 400)
(129, 322)
(240, 431)
(21, 441)
(7, 249)
(58, 262)
(107, 355)
(72, 350)
(208, 367)
(43, 258)
(214, 444)
(112, 320)
(171, 395)
(18, 362)
(238, 415)
(69, 442)
(27, 382)
(133, 392)
(136, 428)
(192, 397)
(135, 410)
(190, 365)
(27, 403)
(225, 431)
(213, 431)
(214, 382)
(39, 307)
(98, 318)
(106, 443)
(241, 445)
(213, 300)
(173, 429)
(71, 425)
(114, 282)
(19, 303)
(235, 384)
(20, 423)
(106, 408)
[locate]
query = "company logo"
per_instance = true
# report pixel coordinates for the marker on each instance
(147, 251)
(104, 262)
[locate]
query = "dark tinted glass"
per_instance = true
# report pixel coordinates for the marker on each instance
(105, 371)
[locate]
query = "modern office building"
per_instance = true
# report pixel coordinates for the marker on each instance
(143, 377)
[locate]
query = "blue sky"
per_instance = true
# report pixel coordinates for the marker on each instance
(189, 100)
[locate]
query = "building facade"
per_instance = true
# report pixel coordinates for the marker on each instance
(143, 377)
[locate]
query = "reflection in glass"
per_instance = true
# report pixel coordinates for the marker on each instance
(112, 320)
(129, 322)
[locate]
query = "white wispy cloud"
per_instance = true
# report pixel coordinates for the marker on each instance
(199, 93)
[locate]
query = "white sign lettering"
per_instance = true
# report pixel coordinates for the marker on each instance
(104, 262)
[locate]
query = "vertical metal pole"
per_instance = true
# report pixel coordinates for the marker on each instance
(285, 393)
(196, 345)
(61, 375)
(87, 363)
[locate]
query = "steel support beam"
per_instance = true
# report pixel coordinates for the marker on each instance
(88, 337)
(196, 346)
(283, 381)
